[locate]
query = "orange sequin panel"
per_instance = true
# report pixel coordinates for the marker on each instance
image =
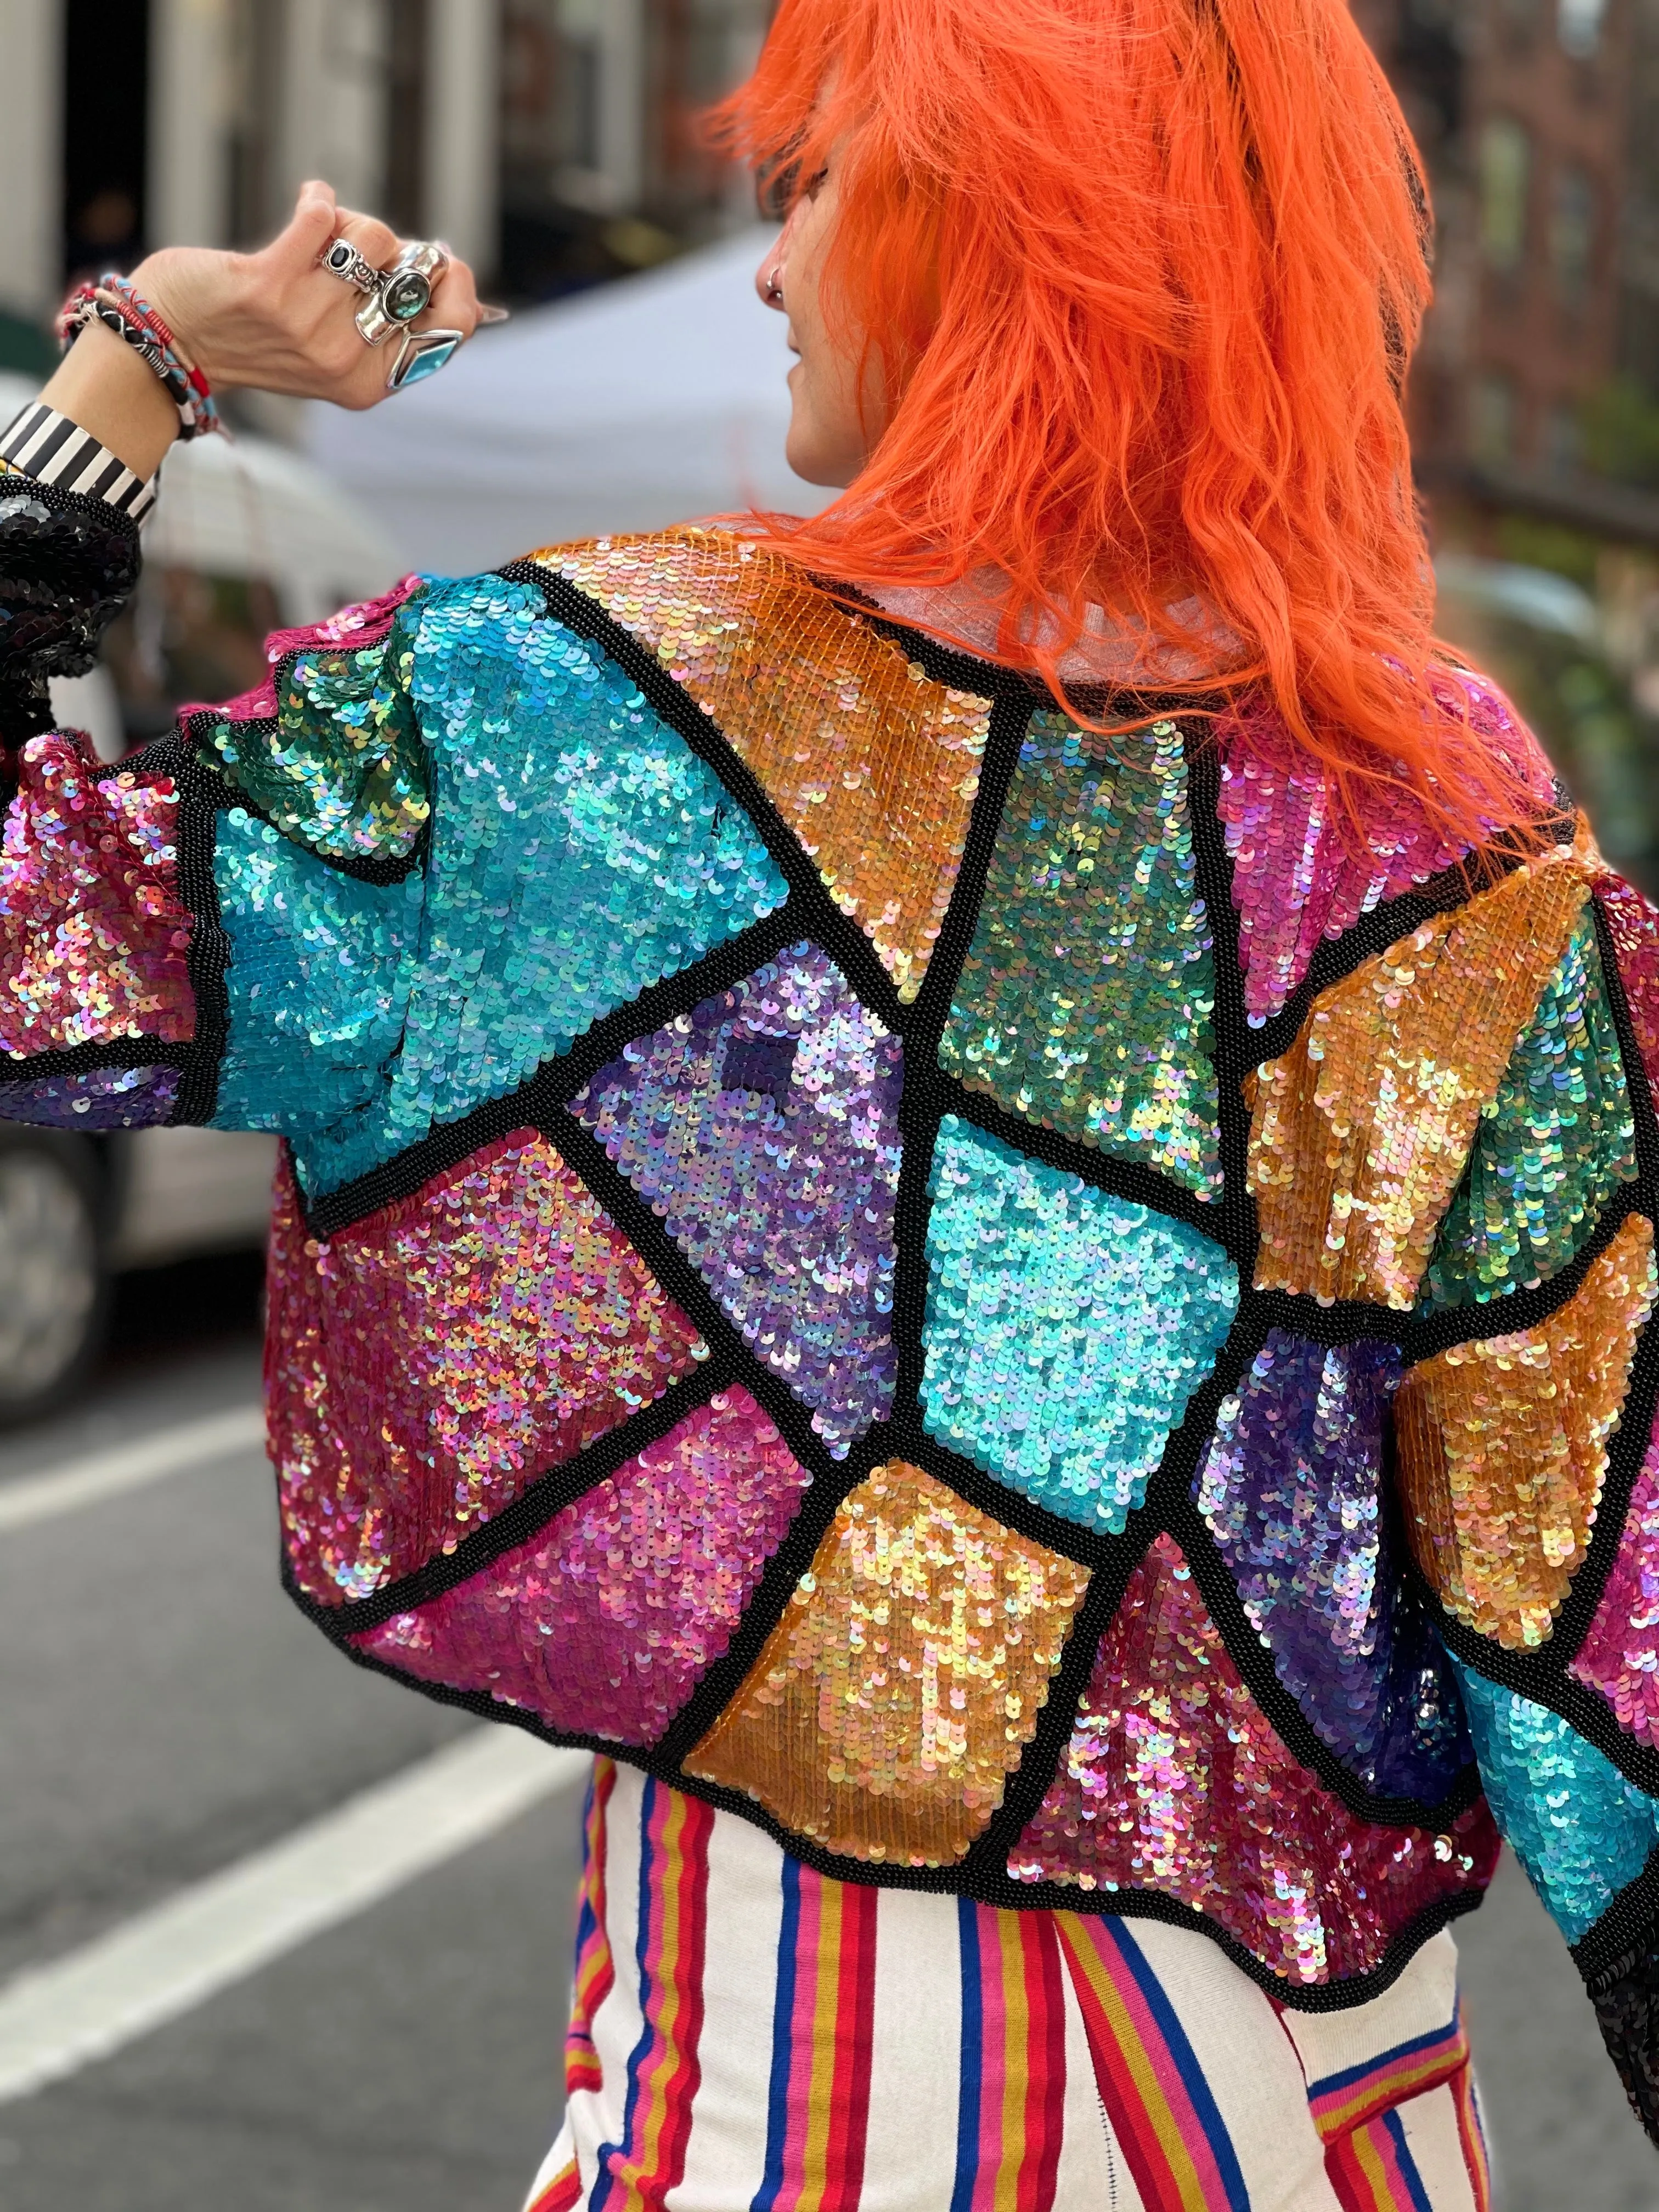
(1361, 1131)
(897, 1693)
(1503, 1447)
(872, 764)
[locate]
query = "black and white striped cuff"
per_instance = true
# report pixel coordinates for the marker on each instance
(46, 445)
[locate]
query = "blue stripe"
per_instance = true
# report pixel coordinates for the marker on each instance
(1408, 2172)
(783, 2017)
(973, 2057)
(1333, 2082)
(1192, 2074)
(610, 2151)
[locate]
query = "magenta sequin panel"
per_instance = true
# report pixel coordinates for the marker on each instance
(366, 624)
(425, 1366)
(1174, 1781)
(1299, 873)
(104, 1099)
(1292, 1493)
(1620, 1656)
(93, 936)
(763, 1129)
(605, 1623)
(1633, 925)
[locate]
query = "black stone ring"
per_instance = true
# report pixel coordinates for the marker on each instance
(401, 292)
(341, 258)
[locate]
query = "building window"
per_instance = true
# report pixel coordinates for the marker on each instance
(1505, 172)
(1578, 27)
(1572, 233)
(1492, 420)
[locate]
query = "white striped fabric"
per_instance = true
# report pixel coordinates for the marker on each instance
(46, 445)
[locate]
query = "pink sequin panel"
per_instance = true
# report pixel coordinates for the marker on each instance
(366, 624)
(1620, 1656)
(93, 934)
(605, 1623)
(1174, 1781)
(425, 1366)
(1299, 873)
(1633, 924)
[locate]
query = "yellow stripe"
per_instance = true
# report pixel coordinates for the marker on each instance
(1142, 2072)
(668, 2016)
(1016, 2041)
(1370, 2165)
(1392, 2089)
(820, 2093)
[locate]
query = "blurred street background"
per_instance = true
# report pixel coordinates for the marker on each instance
(274, 1932)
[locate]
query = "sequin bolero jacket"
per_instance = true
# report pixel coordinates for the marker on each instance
(1010, 1307)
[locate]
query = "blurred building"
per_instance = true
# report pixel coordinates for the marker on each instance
(550, 141)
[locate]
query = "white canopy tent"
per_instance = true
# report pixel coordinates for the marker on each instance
(655, 400)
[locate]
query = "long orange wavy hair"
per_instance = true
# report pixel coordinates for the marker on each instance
(1142, 278)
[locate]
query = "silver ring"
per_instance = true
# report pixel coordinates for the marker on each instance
(422, 354)
(401, 292)
(341, 258)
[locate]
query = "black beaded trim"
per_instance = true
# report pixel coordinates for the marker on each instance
(997, 1890)
(1542, 1674)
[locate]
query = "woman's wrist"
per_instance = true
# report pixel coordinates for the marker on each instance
(104, 387)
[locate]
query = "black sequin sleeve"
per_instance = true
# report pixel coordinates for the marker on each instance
(67, 563)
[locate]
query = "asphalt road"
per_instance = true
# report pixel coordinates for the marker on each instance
(164, 1713)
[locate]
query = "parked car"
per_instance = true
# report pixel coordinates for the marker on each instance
(247, 537)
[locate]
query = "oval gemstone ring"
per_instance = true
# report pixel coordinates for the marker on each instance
(403, 291)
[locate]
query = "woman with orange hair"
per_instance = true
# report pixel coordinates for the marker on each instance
(971, 1183)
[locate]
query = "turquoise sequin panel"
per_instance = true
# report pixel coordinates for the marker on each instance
(1085, 1000)
(580, 853)
(1581, 1831)
(1551, 1148)
(1066, 1328)
(317, 985)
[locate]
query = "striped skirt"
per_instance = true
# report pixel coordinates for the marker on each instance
(748, 2035)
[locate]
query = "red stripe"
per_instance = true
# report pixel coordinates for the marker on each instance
(855, 2014)
(1045, 2063)
(596, 1969)
(680, 2087)
(1472, 2139)
(562, 2193)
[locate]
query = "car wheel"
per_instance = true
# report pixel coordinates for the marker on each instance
(54, 1289)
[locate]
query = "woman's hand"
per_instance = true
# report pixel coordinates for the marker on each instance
(273, 321)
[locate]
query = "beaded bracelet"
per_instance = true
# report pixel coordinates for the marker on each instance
(113, 302)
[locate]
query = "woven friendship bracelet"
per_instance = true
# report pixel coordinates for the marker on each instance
(114, 302)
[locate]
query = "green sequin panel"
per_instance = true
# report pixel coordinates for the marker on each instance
(1550, 1149)
(1085, 1000)
(341, 769)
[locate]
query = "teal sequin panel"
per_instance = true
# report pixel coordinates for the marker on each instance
(1581, 1831)
(1550, 1149)
(1086, 998)
(579, 852)
(317, 984)
(331, 754)
(1066, 1328)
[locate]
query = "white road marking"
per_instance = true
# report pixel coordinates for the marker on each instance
(107, 1474)
(55, 2019)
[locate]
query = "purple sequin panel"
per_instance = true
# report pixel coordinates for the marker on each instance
(1292, 1492)
(605, 1623)
(1300, 872)
(106, 1099)
(762, 1127)
(1620, 1656)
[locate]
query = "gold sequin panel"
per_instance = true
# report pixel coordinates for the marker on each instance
(1503, 1447)
(872, 764)
(896, 1694)
(1361, 1131)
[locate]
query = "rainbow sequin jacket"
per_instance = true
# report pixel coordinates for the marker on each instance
(1011, 1308)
